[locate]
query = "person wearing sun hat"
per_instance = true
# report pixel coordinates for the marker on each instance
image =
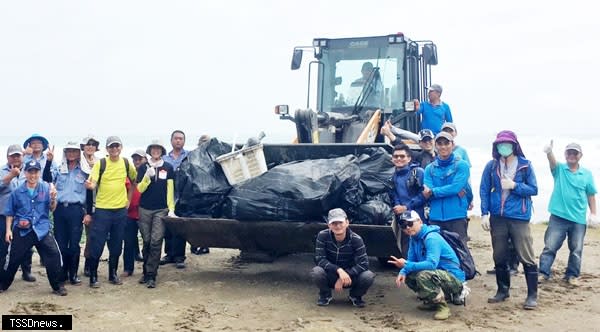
(156, 185)
(71, 210)
(34, 146)
(574, 192)
(507, 184)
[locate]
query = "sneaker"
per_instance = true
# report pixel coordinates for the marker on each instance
(60, 291)
(572, 281)
(143, 279)
(166, 260)
(357, 301)
(180, 265)
(323, 301)
(151, 283)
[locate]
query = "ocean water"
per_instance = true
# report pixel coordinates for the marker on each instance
(478, 147)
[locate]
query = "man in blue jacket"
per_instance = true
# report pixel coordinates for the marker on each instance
(406, 193)
(447, 188)
(434, 112)
(432, 269)
(342, 262)
(507, 184)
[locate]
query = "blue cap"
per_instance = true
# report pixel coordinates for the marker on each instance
(36, 136)
(32, 165)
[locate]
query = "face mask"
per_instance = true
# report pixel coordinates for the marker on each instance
(505, 149)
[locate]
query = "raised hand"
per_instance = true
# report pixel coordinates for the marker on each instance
(15, 171)
(50, 153)
(548, 147)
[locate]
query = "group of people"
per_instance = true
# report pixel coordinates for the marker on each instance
(432, 192)
(107, 196)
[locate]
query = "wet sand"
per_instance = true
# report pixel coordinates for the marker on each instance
(218, 292)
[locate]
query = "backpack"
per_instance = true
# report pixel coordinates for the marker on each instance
(103, 168)
(467, 264)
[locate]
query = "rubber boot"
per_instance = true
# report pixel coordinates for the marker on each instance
(531, 277)
(503, 282)
(113, 264)
(93, 266)
(73, 267)
(442, 311)
(26, 268)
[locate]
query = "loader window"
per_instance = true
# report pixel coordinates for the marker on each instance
(347, 70)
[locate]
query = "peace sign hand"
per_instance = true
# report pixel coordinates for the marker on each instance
(50, 153)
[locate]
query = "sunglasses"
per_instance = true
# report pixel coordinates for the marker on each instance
(399, 156)
(407, 224)
(572, 152)
(114, 146)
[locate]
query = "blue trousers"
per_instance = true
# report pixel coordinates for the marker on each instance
(131, 245)
(559, 229)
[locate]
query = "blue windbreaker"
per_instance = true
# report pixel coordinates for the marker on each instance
(431, 253)
(450, 186)
(518, 203)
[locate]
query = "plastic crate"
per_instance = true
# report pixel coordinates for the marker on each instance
(243, 164)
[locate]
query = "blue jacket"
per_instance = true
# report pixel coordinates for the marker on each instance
(412, 197)
(518, 203)
(429, 251)
(449, 182)
(433, 117)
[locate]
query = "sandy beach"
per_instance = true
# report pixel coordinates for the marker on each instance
(218, 292)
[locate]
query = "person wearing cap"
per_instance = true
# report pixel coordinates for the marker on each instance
(11, 176)
(131, 249)
(446, 187)
(574, 192)
(434, 112)
(73, 209)
(108, 177)
(507, 184)
(156, 184)
(28, 225)
(406, 193)
(89, 146)
(342, 262)
(427, 154)
(459, 151)
(432, 269)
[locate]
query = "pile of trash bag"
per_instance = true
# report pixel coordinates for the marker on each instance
(296, 191)
(200, 184)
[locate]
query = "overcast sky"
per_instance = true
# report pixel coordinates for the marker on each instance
(219, 67)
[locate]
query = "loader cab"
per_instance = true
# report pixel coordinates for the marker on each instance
(352, 79)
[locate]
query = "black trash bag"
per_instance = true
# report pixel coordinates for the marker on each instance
(200, 182)
(297, 191)
(374, 213)
(376, 169)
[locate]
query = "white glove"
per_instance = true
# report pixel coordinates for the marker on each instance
(485, 222)
(507, 184)
(548, 147)
(171, 214)
(593, 221)
(150, 172)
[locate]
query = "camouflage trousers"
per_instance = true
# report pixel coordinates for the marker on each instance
(427, 284)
